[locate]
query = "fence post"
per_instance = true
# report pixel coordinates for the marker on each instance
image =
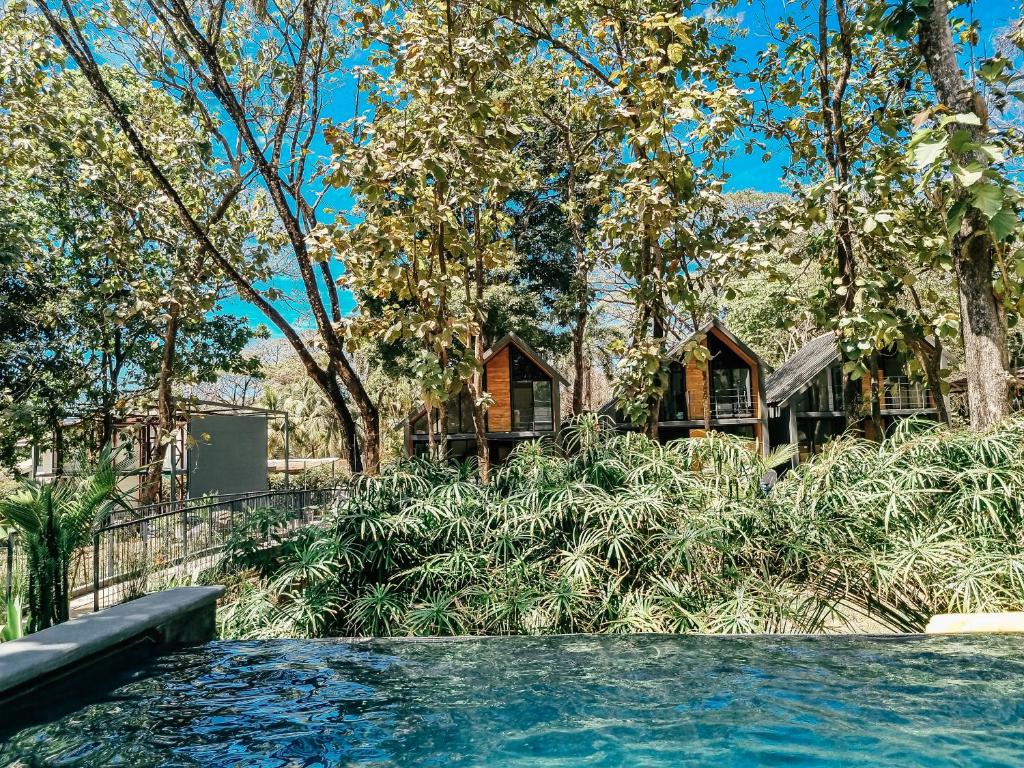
(184, 532)
(10, 564)
(95, 571)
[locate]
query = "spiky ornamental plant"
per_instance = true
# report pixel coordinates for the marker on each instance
(54, 521)
(610, 532)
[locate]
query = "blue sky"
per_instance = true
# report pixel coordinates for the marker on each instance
(746, 171)
(749, 171)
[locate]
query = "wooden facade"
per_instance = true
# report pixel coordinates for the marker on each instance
(499, 384)
(526, 405)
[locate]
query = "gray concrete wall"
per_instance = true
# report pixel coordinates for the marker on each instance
(182, 615)
(227, 454)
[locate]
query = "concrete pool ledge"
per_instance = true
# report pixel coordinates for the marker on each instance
(182, 615)
(976, 623)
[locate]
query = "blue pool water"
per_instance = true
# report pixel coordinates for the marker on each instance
(564, 701)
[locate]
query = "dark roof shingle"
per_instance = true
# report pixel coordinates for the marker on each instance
(812, 358)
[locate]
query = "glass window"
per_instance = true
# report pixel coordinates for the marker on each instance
(891, 364)
(466, 406)
(542, 413)
(531, 394)
(813, 433)
(523, 368)
(731, 392)
(454, 416)
(673, 406)
(461, 450)
(838, 387)
(419, 426)
(522, 405)
(730, 381)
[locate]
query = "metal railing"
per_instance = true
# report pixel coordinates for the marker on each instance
(166, 543)
(732, 404)
(138, 550)
(900, 393)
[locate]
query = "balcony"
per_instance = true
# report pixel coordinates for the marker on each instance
(900, 393)
(732, 404)
(539, 421)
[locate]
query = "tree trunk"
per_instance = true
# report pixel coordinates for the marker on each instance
(580, 401)
(982, 315)
(431, 442)
(476, 382)
(348, 425)
(106, 401)
(983, 326)
(852, 401)
(58, 443)
(476, 388)
(876, 401)
(654, 412)
(442, 430)
(166, 411)
(707, 412)
(581, 301)
(831, 93)
(930, 358)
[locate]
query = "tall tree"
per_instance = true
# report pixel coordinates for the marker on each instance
(662, 75)
(841, 94)
(263, 106)
(967, 154)
(556, 221)
(430, 173)
(106, 259)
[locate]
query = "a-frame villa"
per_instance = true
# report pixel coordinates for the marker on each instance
(737, 396)
(805, 396)
(526, 405)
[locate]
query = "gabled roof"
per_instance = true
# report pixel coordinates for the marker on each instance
(500, 344)
(719, 326)
(526, 349)
(797, 372)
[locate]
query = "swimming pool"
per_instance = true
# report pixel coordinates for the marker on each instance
(561, 701)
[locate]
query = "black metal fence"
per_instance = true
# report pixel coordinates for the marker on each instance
(149, 548)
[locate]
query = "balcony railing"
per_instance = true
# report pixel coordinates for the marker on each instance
(900, 393)
(732, 404)
(726, 404)
(538, 422)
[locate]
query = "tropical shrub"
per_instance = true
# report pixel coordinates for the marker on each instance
(13, 627)
(611, 532)
(55, 520)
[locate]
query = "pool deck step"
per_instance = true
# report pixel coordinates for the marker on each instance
(181, 615)
(976, 623)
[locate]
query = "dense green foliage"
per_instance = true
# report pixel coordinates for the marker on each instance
(612, 532)
(54, 521)
(13, 627)
(92, 259)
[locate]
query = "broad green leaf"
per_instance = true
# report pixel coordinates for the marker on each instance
(955, 217)
(993, 151)
(927, 153)
(1004, 223)
(987, 198)
(967, 118)
(970, 174)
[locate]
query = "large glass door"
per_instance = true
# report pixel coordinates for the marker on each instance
(532, 409)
